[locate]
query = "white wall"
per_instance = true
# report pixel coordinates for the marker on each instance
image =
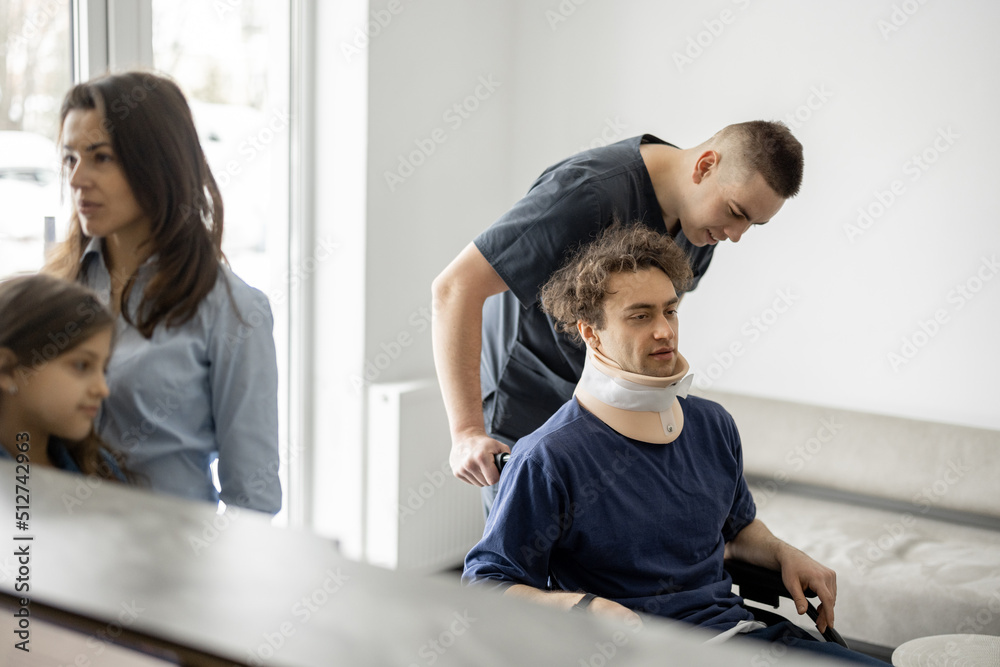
(385, 77)
(609, 71)
(879, 96)
(448, 167)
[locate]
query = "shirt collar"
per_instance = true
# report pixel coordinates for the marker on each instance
(96, 247)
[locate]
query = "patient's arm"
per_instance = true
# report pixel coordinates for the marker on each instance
(565, 600)
(756, 544)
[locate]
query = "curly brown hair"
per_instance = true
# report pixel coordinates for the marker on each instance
(576, 292)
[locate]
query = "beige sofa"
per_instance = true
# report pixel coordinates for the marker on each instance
(907, 512)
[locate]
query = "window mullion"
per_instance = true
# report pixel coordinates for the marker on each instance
(90, 39)
(130, 34)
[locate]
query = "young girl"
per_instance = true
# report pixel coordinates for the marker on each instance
(194, 376)
(55, 339)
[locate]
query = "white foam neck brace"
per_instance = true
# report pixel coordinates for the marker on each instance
(641, 407)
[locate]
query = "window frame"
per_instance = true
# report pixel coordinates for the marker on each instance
(111, 35)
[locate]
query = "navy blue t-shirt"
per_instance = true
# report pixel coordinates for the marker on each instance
(583, 508)
(527, 368)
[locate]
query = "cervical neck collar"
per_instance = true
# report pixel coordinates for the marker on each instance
(641, 407)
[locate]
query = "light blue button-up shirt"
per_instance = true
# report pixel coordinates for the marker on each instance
(192, 393)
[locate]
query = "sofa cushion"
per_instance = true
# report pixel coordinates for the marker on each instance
(907, 512)
(899, 575)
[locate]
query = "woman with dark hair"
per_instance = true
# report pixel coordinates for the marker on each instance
(55, 339)
(194, 377)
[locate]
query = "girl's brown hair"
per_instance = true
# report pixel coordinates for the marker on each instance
(154, 138)
(43, 317)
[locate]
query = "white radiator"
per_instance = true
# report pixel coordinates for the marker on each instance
(420, 518)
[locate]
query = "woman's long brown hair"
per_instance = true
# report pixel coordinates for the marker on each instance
(43, 317)
(154, 138)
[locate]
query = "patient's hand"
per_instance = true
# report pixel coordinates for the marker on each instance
(472, 461)
(799, 572)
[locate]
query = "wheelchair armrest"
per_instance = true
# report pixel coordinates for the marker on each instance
(763, 585)
(757, 583)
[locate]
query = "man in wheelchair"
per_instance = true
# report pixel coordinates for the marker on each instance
(631, 496)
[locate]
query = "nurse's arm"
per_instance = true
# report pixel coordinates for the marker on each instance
(456, 329)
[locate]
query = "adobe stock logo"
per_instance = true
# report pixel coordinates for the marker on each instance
(899, 17)
(612, 132)
(915, 167)
(802, 113)
(928, 329)
(562, 12)
(418, 322)
(699, 43)
(35, 22)
(455, 116)
(752, 329)
(435, 647)
(363, 35)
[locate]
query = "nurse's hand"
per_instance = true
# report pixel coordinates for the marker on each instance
(472, 460)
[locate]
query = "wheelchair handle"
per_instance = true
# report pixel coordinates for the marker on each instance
(501, 460)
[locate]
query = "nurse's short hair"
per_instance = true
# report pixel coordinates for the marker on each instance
(764, 147)
(576, 292)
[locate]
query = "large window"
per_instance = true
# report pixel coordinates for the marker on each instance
(35, 69)
(232, 60)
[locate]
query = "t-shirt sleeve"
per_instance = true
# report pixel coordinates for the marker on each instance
(523, 529)
(743, 510)
(531, 241)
